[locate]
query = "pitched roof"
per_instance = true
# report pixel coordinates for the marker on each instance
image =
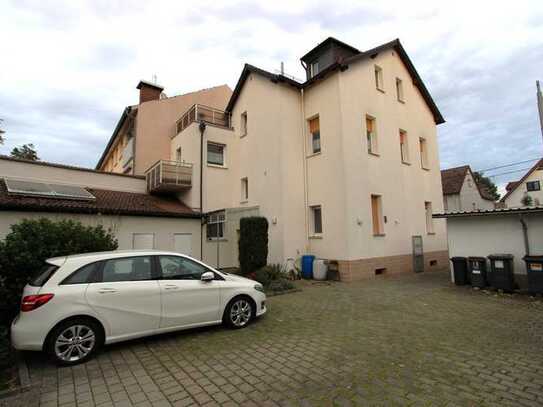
(452, 180)
(515, 184)
(342, 65)
(106, 203)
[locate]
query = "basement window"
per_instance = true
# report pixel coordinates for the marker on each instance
(380, 271)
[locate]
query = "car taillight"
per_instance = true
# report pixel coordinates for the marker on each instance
(31, 302)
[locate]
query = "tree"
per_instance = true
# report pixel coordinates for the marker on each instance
(25, 152)
(253, 244)
(488, 184)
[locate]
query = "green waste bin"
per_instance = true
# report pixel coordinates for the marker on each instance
(501, 269)
(534, 269)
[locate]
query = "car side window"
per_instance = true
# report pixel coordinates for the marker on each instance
(84, 275)
(180, 268)
(127, 269)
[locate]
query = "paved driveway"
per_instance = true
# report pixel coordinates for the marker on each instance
(414, 340)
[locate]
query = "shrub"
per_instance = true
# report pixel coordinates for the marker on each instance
(253, 244)
(526, 200)
(30, 242)
(273, 278)
(262, 276)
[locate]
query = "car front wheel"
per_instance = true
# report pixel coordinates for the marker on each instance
(74, 341)
(239, 312)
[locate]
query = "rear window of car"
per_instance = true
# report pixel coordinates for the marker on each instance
(43, 275)
(84, 275)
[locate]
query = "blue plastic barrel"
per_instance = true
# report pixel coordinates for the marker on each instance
(307, 266)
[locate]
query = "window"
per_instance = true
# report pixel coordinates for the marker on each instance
(178, 154)
(404, 147)
(371, 135)
(314, 130)
(533, 186)
(84, 275)
(127, 269)
(244, 189)
(143, 241)
(377, 215)
(316, 216)
(379, 77)
(215, 225)
(180, 268)
(423, 153)
(243, 124)
(399, 90)
(43, 275)
(215, 154)
(313, 69)
(429, 219)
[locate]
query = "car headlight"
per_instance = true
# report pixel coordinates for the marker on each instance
(259, 287)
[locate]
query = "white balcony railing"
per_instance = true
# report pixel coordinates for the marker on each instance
(169, 176)
(201, 113)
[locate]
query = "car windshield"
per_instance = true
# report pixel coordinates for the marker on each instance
(43, 275)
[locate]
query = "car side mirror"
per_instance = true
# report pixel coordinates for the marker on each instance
(207, 276)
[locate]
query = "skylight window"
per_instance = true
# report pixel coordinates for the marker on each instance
(31, 188)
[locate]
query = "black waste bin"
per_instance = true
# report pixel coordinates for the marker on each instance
(477, 271)
(460, 270)
(534, 268)
(501, 270)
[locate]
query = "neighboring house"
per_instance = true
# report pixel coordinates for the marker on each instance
(34, 189)
(529, 185)
(344, 165)
(462, 193)
(142, 135)
(516, 231)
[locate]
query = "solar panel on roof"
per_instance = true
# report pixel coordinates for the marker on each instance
(32, 188)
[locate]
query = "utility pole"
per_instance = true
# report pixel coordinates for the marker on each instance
(540, 105)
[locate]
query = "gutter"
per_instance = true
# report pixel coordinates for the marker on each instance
(113, 136)
(202, 127)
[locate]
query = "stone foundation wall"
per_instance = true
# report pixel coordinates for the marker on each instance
(354, 270)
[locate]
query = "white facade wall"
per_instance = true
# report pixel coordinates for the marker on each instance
(514, 200)
(469, 198)
(491, 234)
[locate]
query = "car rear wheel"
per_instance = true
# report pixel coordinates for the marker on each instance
(239, 312)
(74, 341)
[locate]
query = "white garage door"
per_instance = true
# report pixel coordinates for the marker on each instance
(143, 241)
(182, 243)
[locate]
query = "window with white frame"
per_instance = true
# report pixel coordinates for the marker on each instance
(378, 77)
(371, 135)
(215, 153)
(423, 153)
(243, 124)
(533, 186)
(215, 225)
(399, 90)
(178, 154)
(429, 219)
(244, 189)
(404, 147)
(315, 133)
(316, 220)
(314, 69)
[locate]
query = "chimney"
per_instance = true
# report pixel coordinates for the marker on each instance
(149, 91)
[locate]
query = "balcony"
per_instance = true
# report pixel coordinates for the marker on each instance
(168, 176)
(201, 113)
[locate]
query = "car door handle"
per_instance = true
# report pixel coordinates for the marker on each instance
(107, 290)
(171, 287)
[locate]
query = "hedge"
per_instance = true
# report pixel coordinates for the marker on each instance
(253, 244)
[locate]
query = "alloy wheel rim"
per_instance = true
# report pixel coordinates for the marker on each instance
(74, 343)
(240, 313)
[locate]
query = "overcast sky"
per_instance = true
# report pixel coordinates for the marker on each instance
(68, 68)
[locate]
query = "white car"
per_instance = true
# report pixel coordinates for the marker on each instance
(77, 303)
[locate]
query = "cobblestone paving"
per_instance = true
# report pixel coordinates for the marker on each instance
(413, 340)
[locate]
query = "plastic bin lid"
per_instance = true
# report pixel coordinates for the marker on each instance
(501, 256)
(458, 258)
(530, 257)
(477, 258)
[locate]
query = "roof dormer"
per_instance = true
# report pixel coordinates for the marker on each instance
(326, 54)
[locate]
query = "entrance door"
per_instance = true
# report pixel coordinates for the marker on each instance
(182, 243)
(418, 254)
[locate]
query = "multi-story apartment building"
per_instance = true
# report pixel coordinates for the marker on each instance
(142, 135)
(344, 165)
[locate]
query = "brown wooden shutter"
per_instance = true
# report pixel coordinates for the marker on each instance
(375, 214)
(314, 125)
(369, 124)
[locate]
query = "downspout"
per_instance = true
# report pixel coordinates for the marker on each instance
(525, 235)
(202, 128)
(304, 144)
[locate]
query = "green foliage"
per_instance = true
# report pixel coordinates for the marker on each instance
(253, 244)
(487, 183)
(273, 278)
(30, 242)
(25, 152)
(527, 200)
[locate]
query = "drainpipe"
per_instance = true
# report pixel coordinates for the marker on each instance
(304, 158)
(202, 128)
(525, 235)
